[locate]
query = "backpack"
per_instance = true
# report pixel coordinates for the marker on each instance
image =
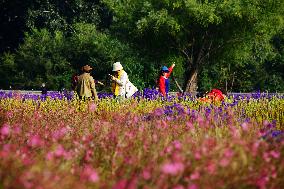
(130, 89)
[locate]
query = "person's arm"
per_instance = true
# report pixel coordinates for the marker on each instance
(162, 86)
(170, 70)
(98, 82)
(123, 79)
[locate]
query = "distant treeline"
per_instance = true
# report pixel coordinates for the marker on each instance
(233, 45)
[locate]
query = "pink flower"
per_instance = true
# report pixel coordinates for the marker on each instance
(94, 177)
(192, 186)
(228, 153)
(59, 133)
(164, 124)
(245, 126)
(158, 112)
(17, 130)
(35, 141)
(88, 155)
(5, 130)
(189, 125)
(169, 149)
(275, 154)
(26, 179)
(92, 107)
(172, 168)
(155, 138)
(211, 168)
(178, 187)
(122, 184)
(146, 174)
(197, 155)
(254, 149)
(274, 174)
(49, 156)
(265, 123)
(60, 151)
(200, 120)
(224, 162)
(266, 157)
(262, 181)
(177, 145)
(235, 132)
(89, 174)
(195, 175)
(9, 114)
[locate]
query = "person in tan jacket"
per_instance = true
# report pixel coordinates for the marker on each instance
(85, 87)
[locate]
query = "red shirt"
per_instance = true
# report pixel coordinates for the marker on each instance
(216, 94)
(162, 81)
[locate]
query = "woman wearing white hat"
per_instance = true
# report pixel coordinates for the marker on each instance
(121, 86)
(119, 81)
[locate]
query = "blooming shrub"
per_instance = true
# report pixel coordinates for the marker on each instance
(176, 142)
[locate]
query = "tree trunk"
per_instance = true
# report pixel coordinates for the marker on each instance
(194, 61)
(191, 83)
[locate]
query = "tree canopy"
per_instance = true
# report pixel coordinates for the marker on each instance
(202, 31)
(235, 45)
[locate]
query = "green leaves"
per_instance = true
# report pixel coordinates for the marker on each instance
(158, 21)
(217, 37)
(206, 31)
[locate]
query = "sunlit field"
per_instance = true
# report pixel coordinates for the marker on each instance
(56, 141)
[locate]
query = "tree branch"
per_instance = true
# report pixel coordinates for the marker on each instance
(177, 84)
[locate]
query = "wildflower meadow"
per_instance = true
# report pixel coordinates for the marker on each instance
(57, 141)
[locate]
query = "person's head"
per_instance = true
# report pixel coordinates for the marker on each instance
(86, 69)
(164, 70)
(116, 67)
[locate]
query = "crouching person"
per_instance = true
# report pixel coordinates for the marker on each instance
(85, 87)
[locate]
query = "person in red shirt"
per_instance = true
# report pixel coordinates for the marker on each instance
(163, 80)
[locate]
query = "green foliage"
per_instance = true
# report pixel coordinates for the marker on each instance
(101, 50)
(235, 45)
(7, 69)
(52, 58)
(40, 59)
(203, 31)
(60, 15)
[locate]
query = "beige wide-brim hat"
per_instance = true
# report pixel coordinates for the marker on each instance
(86, 68)
(116, 66)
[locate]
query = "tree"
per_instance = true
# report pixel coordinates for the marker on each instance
(18, 17)
(42, 59)
(87, 45)
(61, 15)
(12, 23)
(52, 58)
(201, 31)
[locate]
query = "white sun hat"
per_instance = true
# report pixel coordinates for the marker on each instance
(117, 66)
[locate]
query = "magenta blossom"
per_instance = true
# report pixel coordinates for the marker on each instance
(35, 141)
(173, 168)
(89, 174)
(92, 107)
(5, 130)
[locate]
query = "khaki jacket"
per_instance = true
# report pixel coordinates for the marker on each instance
(86, 86)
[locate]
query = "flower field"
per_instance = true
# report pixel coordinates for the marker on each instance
(56, 141)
